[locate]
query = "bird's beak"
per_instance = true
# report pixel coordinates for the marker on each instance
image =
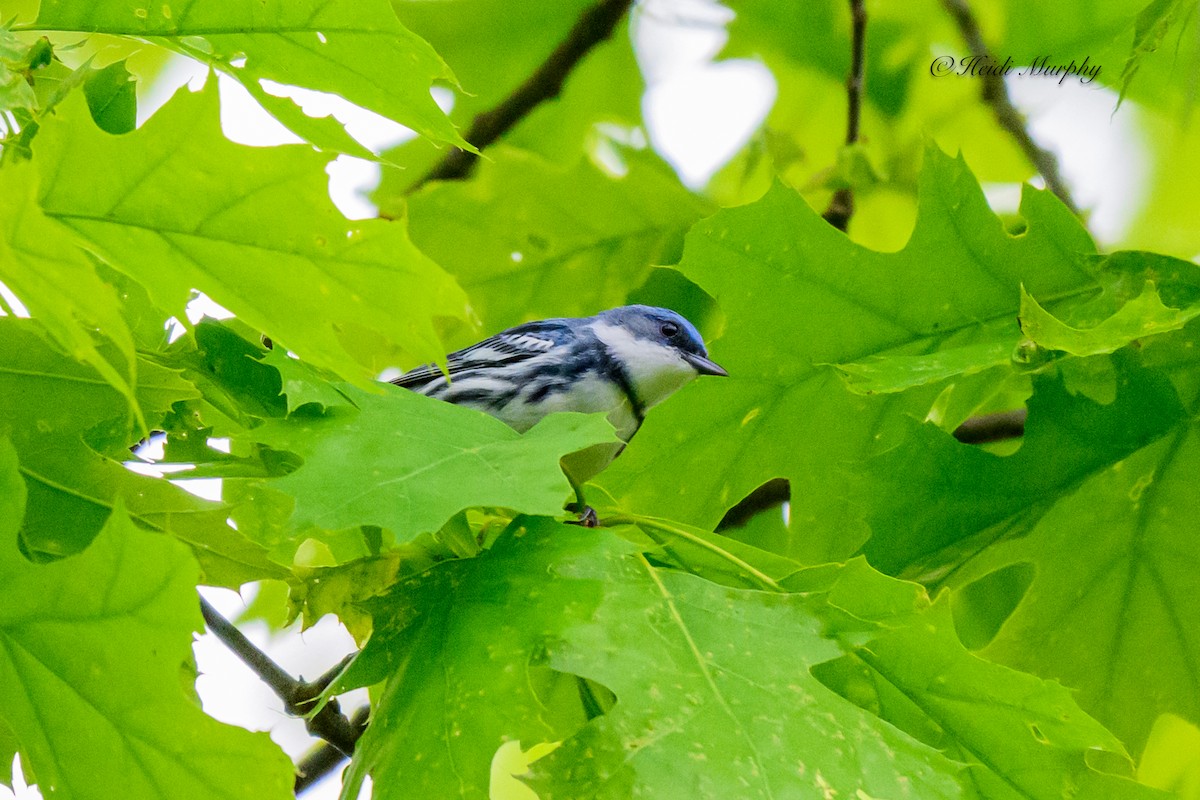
(705, 366)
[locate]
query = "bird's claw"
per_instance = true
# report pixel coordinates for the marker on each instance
(587, 518)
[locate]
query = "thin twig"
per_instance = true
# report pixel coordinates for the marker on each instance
(325, 758)
(297, 696)
(995, 94)
(841, 206)
(594, 26)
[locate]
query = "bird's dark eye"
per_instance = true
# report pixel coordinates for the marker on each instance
(669, 329)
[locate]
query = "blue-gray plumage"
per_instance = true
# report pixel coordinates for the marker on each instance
(622, 361)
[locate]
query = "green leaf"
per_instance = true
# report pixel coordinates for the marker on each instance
(1143, 316)
(453, 640)
(550, 595)
(1153, 23)
(528, 239)
(884, 374)
(80, 638)
(302, 384)
(1096, 502)
(713, 556)
(16, 95)
(54, 408)
(1171, 760)
(112, 97)
(1130, 594)
(712, 692)
(729, 715)
(58, 284)
(470, 635)
(357, 50)
(1067, 441)
(797, 295)
(1024, 738)
(9, 747)
(270, 246)
(407, 463)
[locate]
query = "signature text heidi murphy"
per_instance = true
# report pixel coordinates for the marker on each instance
(981, 66)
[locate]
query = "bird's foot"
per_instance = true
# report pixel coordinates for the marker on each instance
(587, 518)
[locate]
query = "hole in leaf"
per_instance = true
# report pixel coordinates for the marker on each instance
(850, 677)
(585, 698)
(767, 498)
(980, 608)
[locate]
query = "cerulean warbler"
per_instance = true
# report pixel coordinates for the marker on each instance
(622, 361)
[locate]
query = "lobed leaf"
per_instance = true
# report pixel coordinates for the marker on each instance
(269, 246)
(1095, 503)
(41, 264)
(407, 463)
(91, 650)
(1135, 320)
(698, 711)
(59, 414)
(797, 295)
(1143, 316)
(357, 50)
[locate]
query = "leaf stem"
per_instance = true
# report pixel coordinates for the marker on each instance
(648, 524)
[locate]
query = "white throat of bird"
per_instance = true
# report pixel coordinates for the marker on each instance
(656, 370)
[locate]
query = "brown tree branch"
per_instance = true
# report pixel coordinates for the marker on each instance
(841, 206)
(594, 26)
(297, 696)
(325, 758)
(992, 427)
(995, 94)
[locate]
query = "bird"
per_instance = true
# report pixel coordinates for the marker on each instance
(622, 362)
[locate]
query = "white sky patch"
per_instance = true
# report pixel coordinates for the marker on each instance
(675, 36)
(11, 303)
(204, 488)
(375, 132)
(1100, 154)
(728, 101)
(1003, 198)
(156, 470)
(202, 306)
(246, 122)
(20, 789)
(153, 449)
(350, 182)
(153, 95)
(698, 113)
(175, 329)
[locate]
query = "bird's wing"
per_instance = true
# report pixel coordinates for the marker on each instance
(504, 349)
